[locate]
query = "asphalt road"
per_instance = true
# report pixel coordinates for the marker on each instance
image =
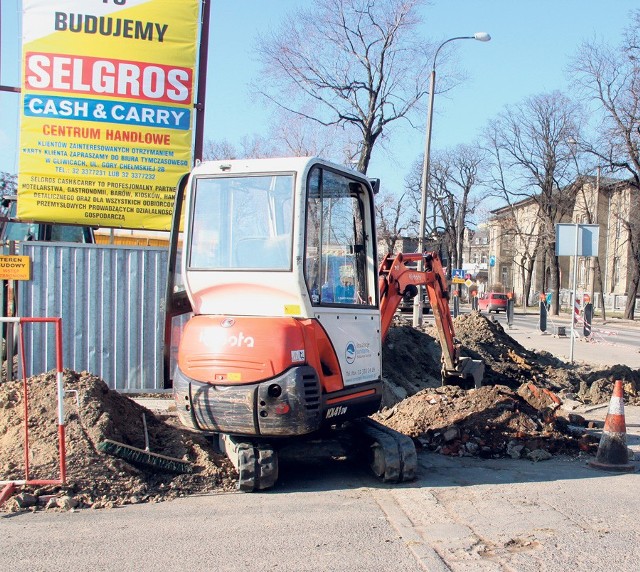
(461, 514)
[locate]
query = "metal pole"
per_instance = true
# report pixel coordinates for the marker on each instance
(417, 301)
(573, 301)
(202, 82)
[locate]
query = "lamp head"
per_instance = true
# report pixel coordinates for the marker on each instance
(481, 36)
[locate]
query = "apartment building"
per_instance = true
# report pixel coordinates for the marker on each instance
(516, 243)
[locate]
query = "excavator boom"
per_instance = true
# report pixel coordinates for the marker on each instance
(397, 280)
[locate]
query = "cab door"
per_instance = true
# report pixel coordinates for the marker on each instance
(339, 269)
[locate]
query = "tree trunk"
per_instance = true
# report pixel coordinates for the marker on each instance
(526, 283)
(632, 291)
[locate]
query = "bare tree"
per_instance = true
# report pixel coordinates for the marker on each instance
(219, 150)
(391, 221)
(288, 137)
(532, 159)
(8, 183)
(610, 77)
(356, 64)
(454, 178)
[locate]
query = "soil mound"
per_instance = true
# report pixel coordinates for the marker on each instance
(94, 413)
(517, 411)
(492, 422)
(411, 363)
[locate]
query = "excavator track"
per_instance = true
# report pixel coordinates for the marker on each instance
(393, 455)
(256, 463)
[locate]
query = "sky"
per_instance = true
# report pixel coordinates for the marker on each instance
(531, 46)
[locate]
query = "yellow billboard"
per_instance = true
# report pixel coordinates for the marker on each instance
(107, 110)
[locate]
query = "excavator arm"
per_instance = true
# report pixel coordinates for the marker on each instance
(396, 280)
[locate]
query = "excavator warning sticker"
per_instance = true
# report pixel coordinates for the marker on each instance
(297, 355)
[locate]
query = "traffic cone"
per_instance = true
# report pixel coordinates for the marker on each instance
(612, 451)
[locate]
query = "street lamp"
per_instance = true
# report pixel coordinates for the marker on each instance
(417, 303)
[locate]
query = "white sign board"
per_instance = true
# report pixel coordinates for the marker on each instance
(587, 239)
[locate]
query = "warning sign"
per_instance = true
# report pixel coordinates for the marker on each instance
(15, 268)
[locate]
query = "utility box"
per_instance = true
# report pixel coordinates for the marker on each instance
(559, 331)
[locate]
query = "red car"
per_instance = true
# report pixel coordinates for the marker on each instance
(493, 302)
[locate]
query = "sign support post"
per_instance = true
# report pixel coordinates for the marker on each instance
(584, 238)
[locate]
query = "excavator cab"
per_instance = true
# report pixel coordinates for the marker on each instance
(279, 267)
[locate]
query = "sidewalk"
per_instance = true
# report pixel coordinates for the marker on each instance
(603, 348)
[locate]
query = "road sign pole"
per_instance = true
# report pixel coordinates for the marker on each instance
(573, 300)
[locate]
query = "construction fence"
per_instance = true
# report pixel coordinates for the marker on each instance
(111, 301)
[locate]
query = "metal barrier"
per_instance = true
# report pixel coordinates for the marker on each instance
(111, 301)
(9, 486)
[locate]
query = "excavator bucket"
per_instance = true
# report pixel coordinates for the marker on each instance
(468, 374)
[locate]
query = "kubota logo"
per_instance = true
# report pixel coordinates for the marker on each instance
(240, 340)
(227, 322)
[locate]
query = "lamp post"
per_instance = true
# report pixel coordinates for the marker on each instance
(417, 302)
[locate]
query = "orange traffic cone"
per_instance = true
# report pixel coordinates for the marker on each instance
(612, 451)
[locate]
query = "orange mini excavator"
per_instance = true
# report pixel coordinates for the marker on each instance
(289, 312)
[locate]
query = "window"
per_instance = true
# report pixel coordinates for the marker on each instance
(615, 278)
(505, 275)
(242, 223)
(336, 242)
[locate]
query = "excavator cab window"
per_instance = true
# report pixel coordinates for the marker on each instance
(336, 257)
(242, 223)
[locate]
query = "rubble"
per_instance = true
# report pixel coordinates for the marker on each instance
(489, 422)
(97, 480)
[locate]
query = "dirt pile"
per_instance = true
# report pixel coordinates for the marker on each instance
(516, 414)
(93, 413)
(490, 422)
(411, 363)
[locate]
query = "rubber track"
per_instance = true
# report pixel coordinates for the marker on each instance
(400, 457)
(257, 467)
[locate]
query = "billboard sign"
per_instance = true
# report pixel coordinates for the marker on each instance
(107, 110)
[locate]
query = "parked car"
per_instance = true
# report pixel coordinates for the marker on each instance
(493, 302)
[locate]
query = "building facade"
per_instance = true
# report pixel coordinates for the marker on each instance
(516, 244)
